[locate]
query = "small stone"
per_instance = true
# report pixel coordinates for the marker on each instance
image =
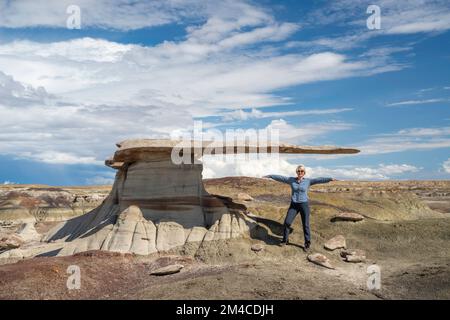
(354, 255)
(336, 242)
(347, 216)
(244, 197)
(320, 260)
(257, 247)
(171, 269)
(10, 241)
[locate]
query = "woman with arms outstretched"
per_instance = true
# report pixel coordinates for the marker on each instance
(299, 202)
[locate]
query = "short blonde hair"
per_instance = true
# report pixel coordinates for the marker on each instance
(301, 166)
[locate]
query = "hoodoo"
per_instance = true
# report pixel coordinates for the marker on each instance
(156, 205)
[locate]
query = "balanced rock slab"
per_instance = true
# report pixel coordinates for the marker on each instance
(321, 260)
(347, 216)
(336, 242)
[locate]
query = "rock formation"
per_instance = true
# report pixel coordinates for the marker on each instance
(156, 205)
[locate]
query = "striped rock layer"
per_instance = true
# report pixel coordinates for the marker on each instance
(153, 206)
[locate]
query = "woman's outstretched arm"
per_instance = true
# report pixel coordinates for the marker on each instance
(278, 178)
(321, 180)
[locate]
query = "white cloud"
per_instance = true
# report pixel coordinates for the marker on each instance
(446, 166)
(13, 93)
(306, 132)
(258, 114)
(415, 102)
(55, 157)
(380, 172)
(81, 134)
(397, 17)
(142, 74)
(98, 92)
(8, 182)
(105, 179)
(432, 21)
(412, 139)
(116, 14)
(215, 166)
(232, 166)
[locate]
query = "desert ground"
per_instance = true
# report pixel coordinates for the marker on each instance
(405, 231)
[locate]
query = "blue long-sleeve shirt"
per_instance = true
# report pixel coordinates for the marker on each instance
(299, 189)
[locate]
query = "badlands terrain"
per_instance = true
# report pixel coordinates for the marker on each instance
(405, 231)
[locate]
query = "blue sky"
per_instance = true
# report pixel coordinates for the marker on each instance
(312, 70)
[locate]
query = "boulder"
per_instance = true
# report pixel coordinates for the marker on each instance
(347, 216)
(171, 269)
(354, 255)
(336, 242)
(321, 260)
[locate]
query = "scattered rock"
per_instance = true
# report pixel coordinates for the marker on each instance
(347, 216)
(336, 242)
(244, 197)
(354, 255)
(10, 241)
(320, 260)
(171, 269)
(257, 247)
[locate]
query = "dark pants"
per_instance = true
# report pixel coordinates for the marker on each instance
(294, 209)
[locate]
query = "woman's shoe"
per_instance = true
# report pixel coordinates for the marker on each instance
(307, 246)
(283, 243)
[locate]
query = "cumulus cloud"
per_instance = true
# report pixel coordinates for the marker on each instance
(259, 167)
(103, 179)
(306, 132)
(14, 93)
(446, 166)
(407, 140)
(98, 92)
(78, 97)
